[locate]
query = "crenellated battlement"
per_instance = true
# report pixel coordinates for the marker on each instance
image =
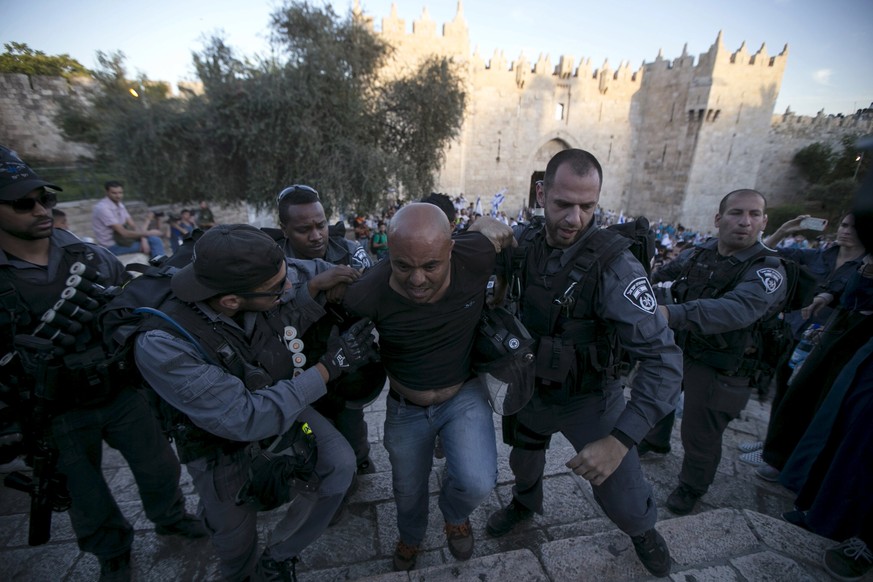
(672, 133)
(424, 38)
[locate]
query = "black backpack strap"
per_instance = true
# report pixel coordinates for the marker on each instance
(179, 328)
(602, 248)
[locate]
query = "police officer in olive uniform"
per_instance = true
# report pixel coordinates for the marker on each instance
(727, 292)
(585, 297)
(88, 402)
(305, 235)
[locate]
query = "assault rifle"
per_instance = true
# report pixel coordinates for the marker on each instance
(44, 355)
(46, 487)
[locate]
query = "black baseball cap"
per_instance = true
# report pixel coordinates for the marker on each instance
(17, 179)
(228, 258)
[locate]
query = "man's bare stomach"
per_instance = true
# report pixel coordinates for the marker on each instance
(425, 397)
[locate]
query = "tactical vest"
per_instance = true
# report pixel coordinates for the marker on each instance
(704, 276)
(258, 362)
(90, 377)
(576, 351)
(22, 303)
(364, 384)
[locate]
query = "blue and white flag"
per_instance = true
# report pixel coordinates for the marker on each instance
(497, 200)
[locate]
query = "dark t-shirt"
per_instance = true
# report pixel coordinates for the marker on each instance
(427, 346)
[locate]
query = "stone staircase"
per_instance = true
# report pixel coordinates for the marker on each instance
(734, 535)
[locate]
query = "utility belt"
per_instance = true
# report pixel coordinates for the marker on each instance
(92, 378)
(82, 379)
(720, 356)
(194, 443)
(394, 395)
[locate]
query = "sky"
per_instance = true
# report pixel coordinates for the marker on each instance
(830, 44)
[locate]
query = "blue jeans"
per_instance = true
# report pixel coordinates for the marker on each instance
(466, 429)
(156, 248)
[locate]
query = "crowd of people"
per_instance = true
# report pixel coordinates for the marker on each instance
(399, 299)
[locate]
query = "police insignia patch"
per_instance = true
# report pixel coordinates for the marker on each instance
(360, 257)
(771, 278)
(639, 293)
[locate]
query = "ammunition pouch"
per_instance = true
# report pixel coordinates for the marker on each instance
(92, 377)
(280, 468)
(581, 360)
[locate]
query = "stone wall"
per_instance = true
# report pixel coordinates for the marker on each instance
(789, 133)
(28, 106)
(673, 135)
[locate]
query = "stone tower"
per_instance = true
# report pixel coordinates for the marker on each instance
(702, 130)
(673, 136)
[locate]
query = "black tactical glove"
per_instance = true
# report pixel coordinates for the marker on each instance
(349, 351)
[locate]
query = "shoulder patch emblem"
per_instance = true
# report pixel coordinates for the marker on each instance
(361, 257)
(771, 278)
(639, 293)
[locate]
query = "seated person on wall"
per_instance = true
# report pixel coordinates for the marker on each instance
(205, 217)
(115, 229)
(180, 227)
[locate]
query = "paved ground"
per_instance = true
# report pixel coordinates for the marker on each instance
(734, 535)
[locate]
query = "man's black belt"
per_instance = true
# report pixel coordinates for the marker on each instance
(400, 398)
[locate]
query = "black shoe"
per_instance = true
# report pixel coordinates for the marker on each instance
(188, 527)
(270, 570)
(115, 569)
(850, 560)
(653, 552)
(650, 452)
(796, 517)
(366, 467)
(682, 500)
(503, 520)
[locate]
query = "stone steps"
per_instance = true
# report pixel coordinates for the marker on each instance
(735, 534)
(722, 544)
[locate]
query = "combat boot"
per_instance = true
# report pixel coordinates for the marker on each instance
(270, 570)
(653, 552)
(504, 520)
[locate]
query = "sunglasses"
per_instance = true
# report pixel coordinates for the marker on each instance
(294, 189)
(276, 293)
(47, 200)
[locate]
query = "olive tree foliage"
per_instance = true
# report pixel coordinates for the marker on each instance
(314, 111)
(832, 176)
(818, 163)
(814, 162)
(20, 58)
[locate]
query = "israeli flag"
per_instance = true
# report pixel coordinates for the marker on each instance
(498, 199)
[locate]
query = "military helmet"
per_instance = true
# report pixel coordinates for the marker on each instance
(504, 360)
